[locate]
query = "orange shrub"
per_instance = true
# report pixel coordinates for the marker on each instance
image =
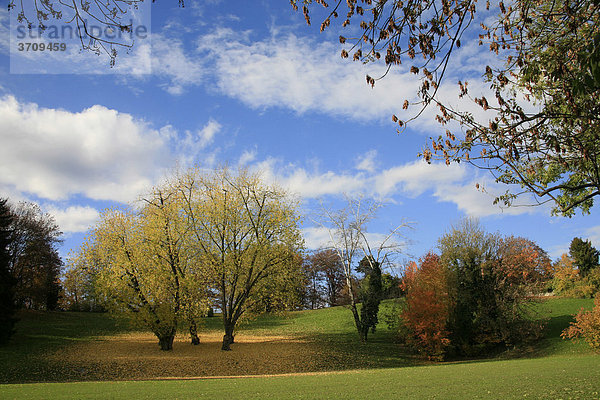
(586, 325)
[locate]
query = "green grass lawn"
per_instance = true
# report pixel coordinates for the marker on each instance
(575, 377)
(554, 368)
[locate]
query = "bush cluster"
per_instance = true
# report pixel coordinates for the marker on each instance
(472, 298)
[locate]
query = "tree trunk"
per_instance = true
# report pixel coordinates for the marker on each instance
(358, 323)
(194, 333)
(227, 338)
(165, 336)
(166, 342)
(227, 341)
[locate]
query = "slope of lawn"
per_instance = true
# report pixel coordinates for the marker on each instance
(91, 347)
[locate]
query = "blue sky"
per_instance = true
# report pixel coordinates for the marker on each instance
(249, 84)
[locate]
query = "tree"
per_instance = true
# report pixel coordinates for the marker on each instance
(543, 126)
(246, 233)
(314, 290)
(7, 281)
(470, 254)
(565, 275)
(370, 295)
(34, 259)
(585, 256)
(347, 230)
(282, 294)
(79, 287)
(391, 286)
(427, 306)
(146, 267)
(329, 272)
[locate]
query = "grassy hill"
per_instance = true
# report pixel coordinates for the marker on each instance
(79, 347)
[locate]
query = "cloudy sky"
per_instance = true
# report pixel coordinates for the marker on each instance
(242, 83)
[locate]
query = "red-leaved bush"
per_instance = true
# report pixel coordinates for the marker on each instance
(427, 306)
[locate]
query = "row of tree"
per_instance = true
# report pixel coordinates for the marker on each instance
(227, 240)
(30, 264)
(326, 283)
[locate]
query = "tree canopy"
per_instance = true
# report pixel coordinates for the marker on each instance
(543, 132)
(145, 266)
(585, 256)
(246, 232)
(34, 260)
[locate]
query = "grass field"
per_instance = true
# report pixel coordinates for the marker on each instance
(92, 356)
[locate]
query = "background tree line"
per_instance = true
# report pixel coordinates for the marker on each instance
(30, 265)
(325, 281)
(226, 240)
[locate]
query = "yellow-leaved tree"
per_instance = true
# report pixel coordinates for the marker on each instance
(246, 232)
(202, 238)
(147, 267)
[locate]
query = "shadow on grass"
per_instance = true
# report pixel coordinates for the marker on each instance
(345, 351)
(39, 333)
(60, 326)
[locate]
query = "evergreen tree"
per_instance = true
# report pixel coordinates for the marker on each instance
(585, 256)
(370, 295)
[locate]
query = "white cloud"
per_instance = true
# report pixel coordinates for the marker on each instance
(207, 133)
(316, 237)
(304, 75)
(74, 218)
(416, 177)
(308, 185)
(366, 162)
(247, 157)
(172, 61)
(300, 74)
(556, 251)
(593, 235)
(453, 183)
(98, 152)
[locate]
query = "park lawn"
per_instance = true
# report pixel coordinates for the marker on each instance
(54, 347)
(77, 347)
(555, 377)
